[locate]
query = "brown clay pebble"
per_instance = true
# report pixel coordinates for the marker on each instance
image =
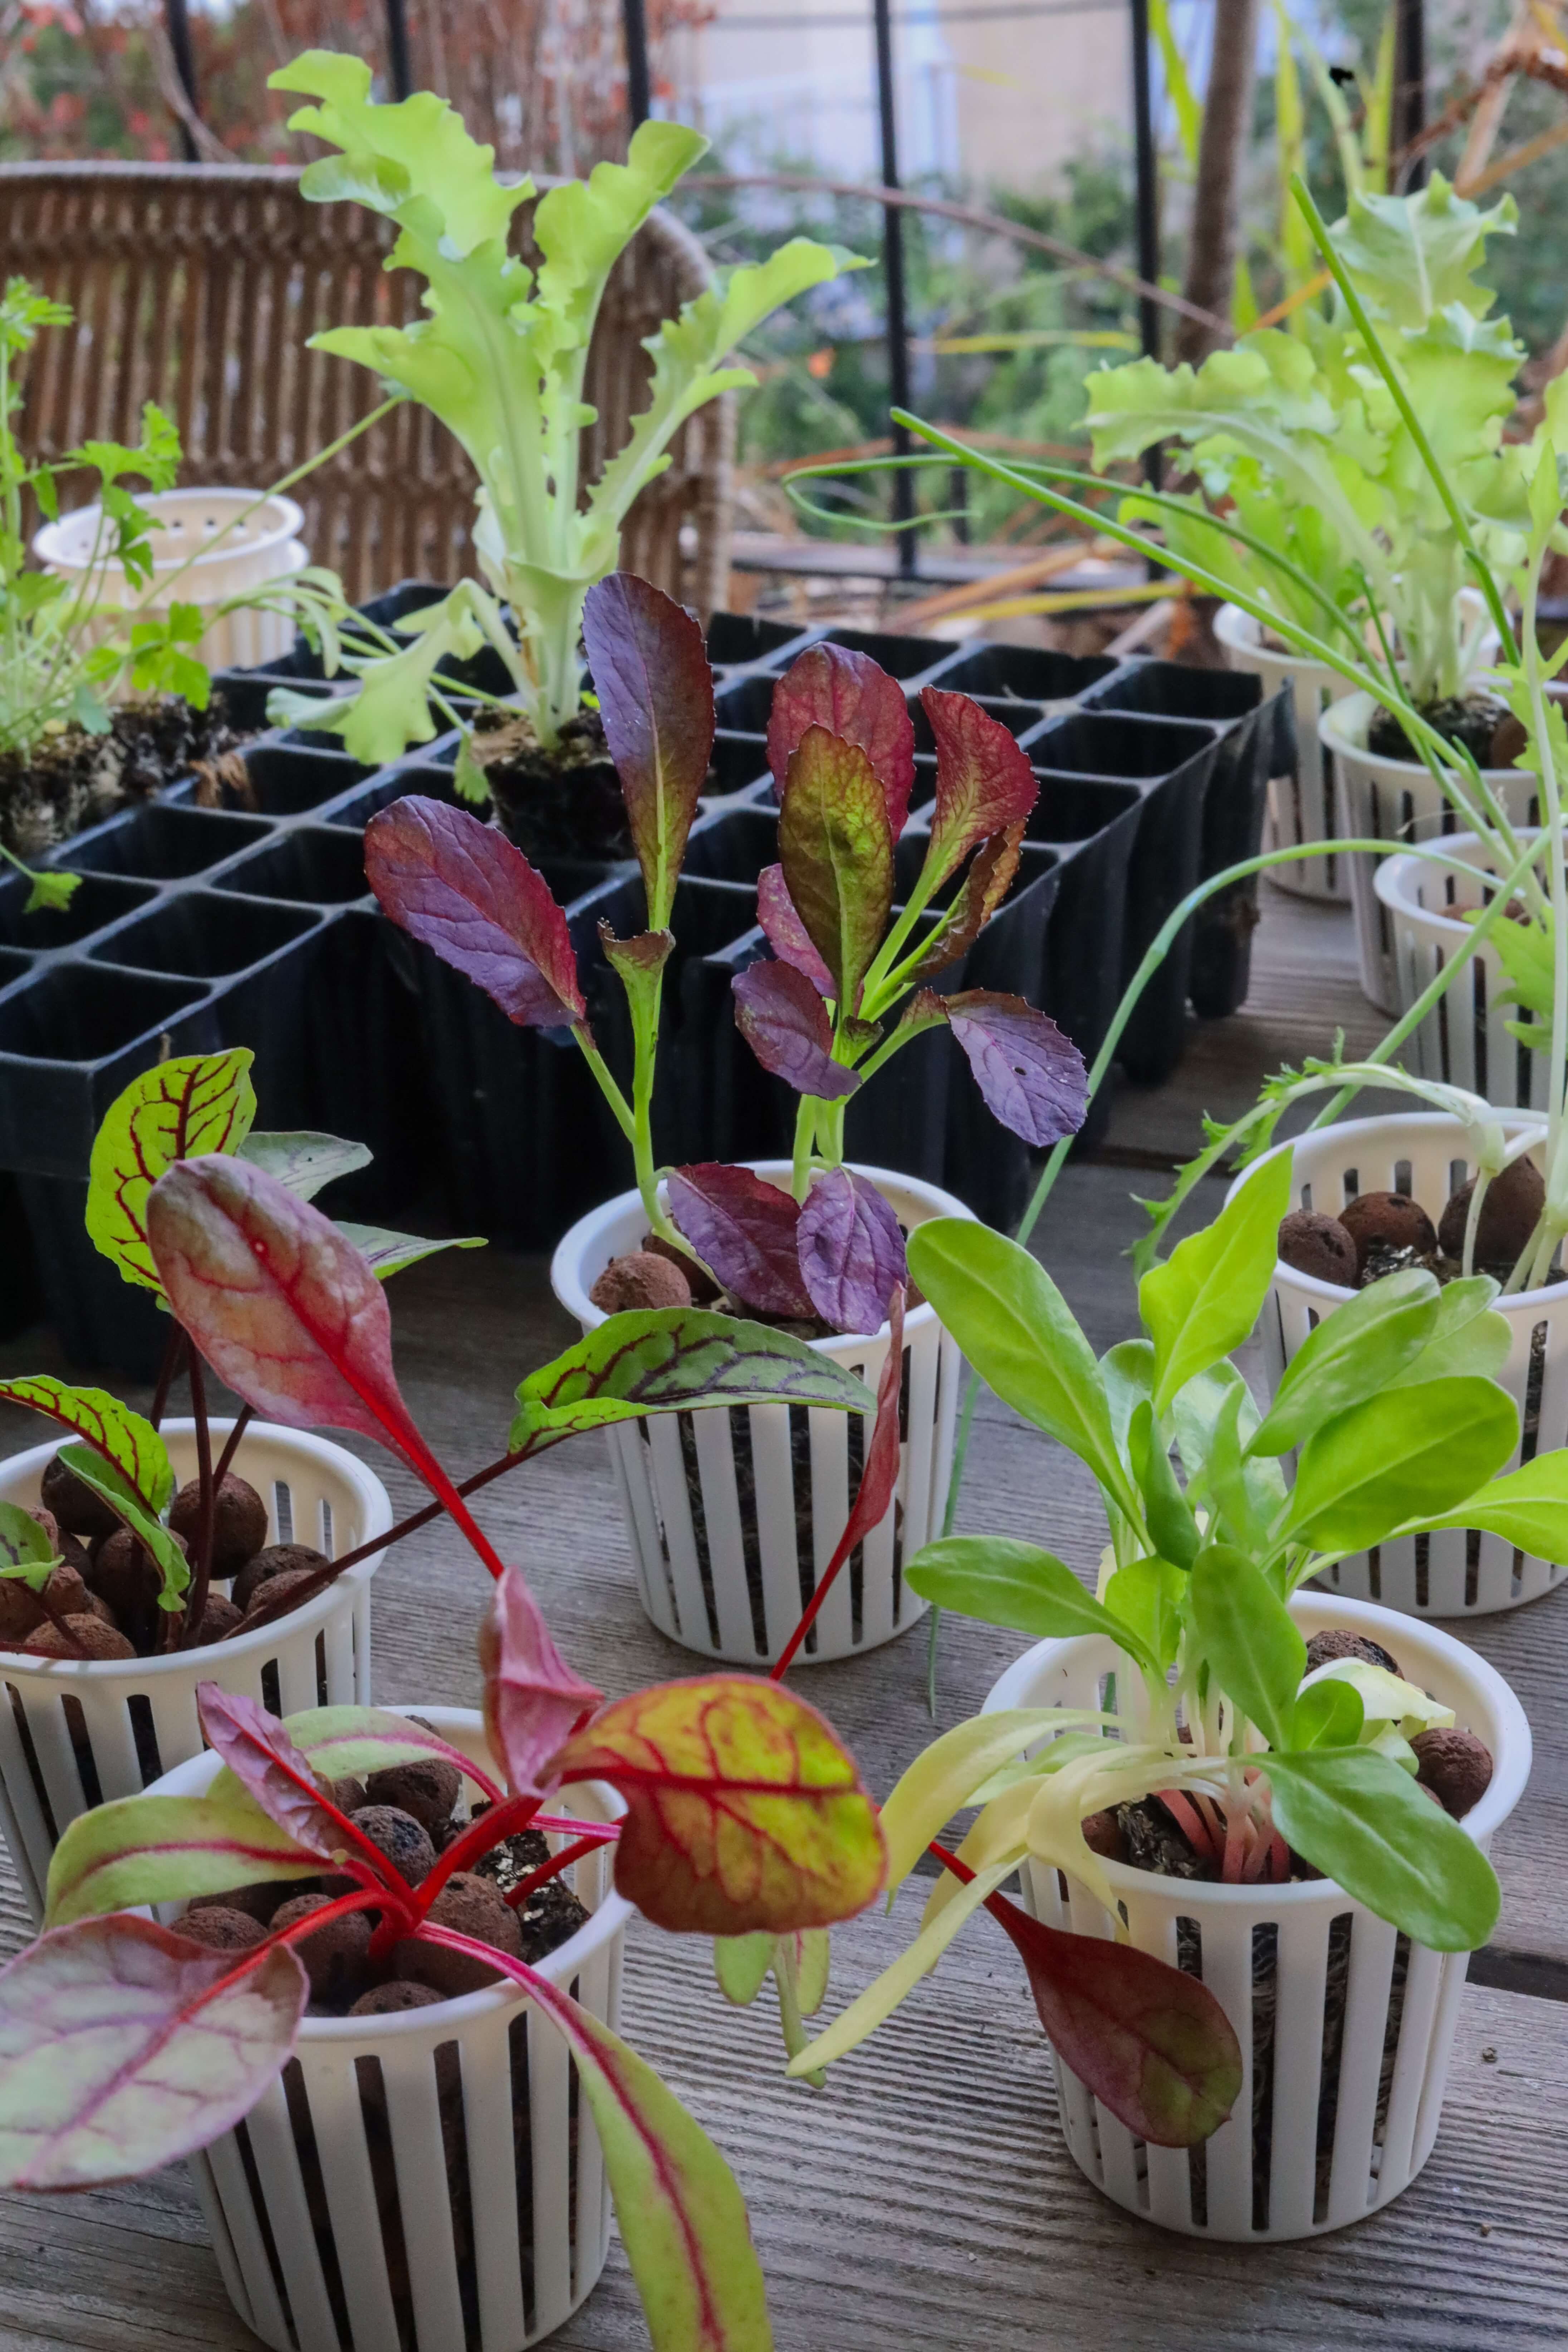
(277, 1559)
(65, 1590)
(640, 1280)
(348, 1795)
(47, 1521)
(239, 1521)
(102, 1612)
(1340, 1642)
(1390, 1220)
(1102, 1835)
(1318, 1246)
(699, 1281)
(427, 1789)
(335, 1958)
(223, 1927)
(74, 1504)
(220, 1618)
(1510, 1207)
(124, 1574)
(1456, 1766)
(93, 1638)
(469, 1906)
(387, 2000)
(258, 1900)
(405, 1842)
(277, 1589)
(20, 1613)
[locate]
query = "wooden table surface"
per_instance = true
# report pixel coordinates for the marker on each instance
(925, 2200)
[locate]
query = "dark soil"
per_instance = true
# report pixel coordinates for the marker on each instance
(76, 778)
(1479, 722)
(562, 803)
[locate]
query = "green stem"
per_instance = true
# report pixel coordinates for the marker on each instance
(805, 1140)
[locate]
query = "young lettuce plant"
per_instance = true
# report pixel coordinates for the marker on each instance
(502, 360)
(742, 1814)
(1400, 1429)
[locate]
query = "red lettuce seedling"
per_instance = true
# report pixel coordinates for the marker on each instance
(842, 749)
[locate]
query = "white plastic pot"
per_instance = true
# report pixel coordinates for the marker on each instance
(1351, 2085)
(1458, 1571)
(294, 2215)
(1465, 1039)
(231, 556)
(731, 1582)
(1307, 806)
(1396, 801)
(76, 1733)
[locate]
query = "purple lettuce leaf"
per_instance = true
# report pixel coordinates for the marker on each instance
(851, 1252)
(744, 1229)
(784, 1022)
(1033, 1078)
(832, 687)
(655, 691)
(785, 933)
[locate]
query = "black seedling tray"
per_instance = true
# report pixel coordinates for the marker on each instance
(196, 927)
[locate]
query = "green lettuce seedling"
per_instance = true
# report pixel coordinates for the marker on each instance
(501, 359)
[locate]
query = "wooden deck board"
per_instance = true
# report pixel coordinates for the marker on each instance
(925, 2201)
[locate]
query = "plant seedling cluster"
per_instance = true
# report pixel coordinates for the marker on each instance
(1225, 1736)
(502, 360)
(829, 1251)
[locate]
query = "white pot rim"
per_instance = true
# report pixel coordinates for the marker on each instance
(1320, 1611)
(1343, 728)
(1333, 1294)
(1393, 875)
(277, 520)
(374, 1502)
(570, 1277)
(437, 2022)
(1243, 634)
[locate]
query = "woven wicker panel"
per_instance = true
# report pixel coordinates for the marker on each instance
(198, 285)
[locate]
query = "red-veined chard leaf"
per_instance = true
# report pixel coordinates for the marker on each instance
(302, 1159)
(682, 2219)
(263, 1759)
(845, 691)
(983, 781)
(387, 1253)
(196, 1103)
(1033, 1078)
(110, 1483)
(654, 692)
(851, 1250)
(742, 1809)
(745, 1229)
(287, 1311)
(669, 1360)
(785, 933)
(879, 1479)
(461, 889)
(168, 1850)
(784, 1022)
(352, 1742)
(836, 846)
(123, 2047)
(982, 891)
(534, 1700)
(130, 1445)
(1151, 2041)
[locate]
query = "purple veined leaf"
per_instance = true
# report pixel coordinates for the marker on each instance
(833, 686)
(655, 691)
(784, 1022)
(262, 1758)
(462, 890)
(744, 1229)
(1033, 1078)
(287, 1311)
(124, 2046)
(836, 849)
(851, 1252)
(982, 891)
(533, 1701)
(352, 1742)
(983, 781)
(1152, 2042)
(785, 933)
